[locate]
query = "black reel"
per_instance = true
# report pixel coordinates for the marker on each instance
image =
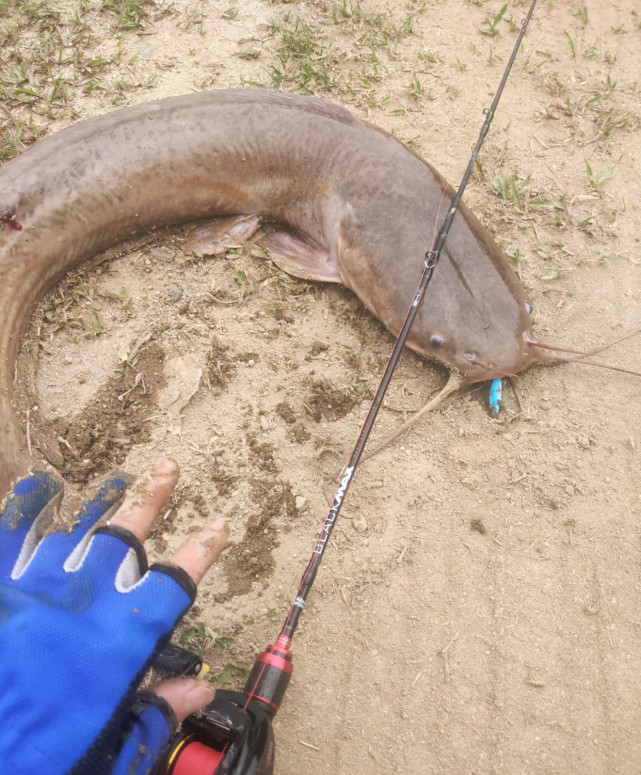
(230, 736)
(233, 734)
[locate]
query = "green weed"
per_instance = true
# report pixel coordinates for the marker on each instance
(581, 13)
(597, 182)
(570, 43)
(492, 22)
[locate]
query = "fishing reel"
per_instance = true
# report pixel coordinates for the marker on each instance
(233, 734)
(230, 736)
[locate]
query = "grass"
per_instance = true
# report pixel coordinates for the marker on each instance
(77, 307)
(129, 14)
(135, 14)
(311, 55)
(46, 55)
(492, 23)
(18, 135)
(307, 61)
(517, 190)
(415, 88)
(517, 258)
(570, 43)
(579, 100)
(597, 181)
(581, 13)
(531, 207)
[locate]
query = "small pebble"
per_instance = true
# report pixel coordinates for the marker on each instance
(300, 503)
(264, 422)
(359, 524)
(163, 254)
(146, 52)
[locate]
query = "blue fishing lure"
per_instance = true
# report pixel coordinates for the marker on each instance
(496, 389)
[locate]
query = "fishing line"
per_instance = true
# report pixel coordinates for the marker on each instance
(249, 738)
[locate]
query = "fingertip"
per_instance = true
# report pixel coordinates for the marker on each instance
(147, 497)
(213, 538)
(216, 528)
(202, 549)
(167, 467)
(185, 695)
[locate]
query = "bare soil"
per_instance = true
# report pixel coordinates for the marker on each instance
(478, 610)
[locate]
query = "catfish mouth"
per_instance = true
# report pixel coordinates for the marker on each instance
(474, 368)
(481, 348)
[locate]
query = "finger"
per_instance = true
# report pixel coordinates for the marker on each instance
(30, 508)
(185, 695)
(146, 498)
(202, 549)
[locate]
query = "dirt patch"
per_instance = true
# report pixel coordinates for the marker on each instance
(98, 438)
(221, 366)
(326, 401)
(252, 559)
(263, 455)
(284, 410)
(296, 431)
(222, 479)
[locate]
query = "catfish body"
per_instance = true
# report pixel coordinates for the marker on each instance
(363, 203)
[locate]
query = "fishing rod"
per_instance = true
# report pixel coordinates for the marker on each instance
(233, 734)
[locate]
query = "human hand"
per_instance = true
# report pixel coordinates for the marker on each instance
(81, 618)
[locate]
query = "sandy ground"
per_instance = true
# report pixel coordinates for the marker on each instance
(478, 609)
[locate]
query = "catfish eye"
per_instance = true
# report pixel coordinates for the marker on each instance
(473, 357)
(436, 340)
(528, 309)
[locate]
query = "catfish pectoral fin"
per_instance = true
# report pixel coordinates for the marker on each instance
(212, 238)
(299, 255)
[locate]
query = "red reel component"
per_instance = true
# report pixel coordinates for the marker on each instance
(197, 759)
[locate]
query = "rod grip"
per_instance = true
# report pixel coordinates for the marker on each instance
(269, 677)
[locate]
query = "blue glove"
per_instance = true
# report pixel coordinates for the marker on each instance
(81, 617)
